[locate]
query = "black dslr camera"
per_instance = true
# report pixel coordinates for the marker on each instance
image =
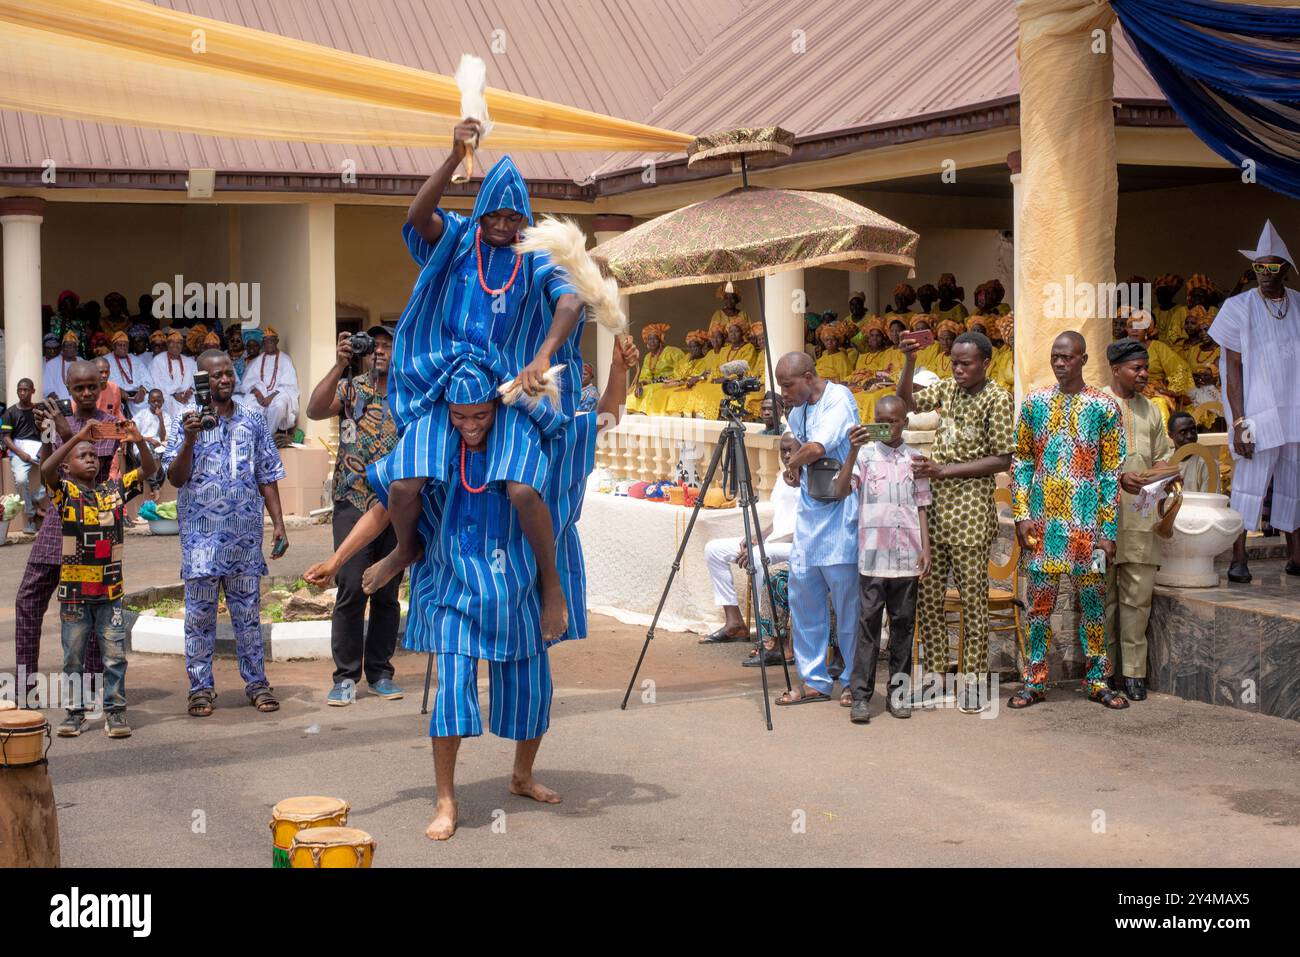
(362, 343)
(203, 398)
(741, 386)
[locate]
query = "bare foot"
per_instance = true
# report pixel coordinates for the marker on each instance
(530, 787)
(382, 572)
(555, 613)
(443, 825)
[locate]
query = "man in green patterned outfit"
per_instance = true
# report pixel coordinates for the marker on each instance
(973, 443)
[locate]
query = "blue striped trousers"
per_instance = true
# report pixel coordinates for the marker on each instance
(519, 698)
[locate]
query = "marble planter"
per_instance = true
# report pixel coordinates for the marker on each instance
(1204, 528)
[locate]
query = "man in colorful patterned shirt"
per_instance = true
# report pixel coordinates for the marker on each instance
(1065, 497)
(972, 444)
(225, 475)
(366, 434)
(90, 578)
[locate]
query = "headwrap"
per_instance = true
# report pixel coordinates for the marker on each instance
(829, 330)
(212, 341)
(758, 329)
(587, 370)
(471, 382)
(1125, 350)
(848, 329)
(114, 295)
(659, 329)
(722, 290)
(99, 350)
(119, 336)
(175, 336)
(1199, 280)
(1169, 280)
(49, 339)
(951, 325)
(697, 335)
(270, 333)
(876, 323)
(1137, 318)
(253, 335)
(858, 294)
(71, 336)
(921, 317)
(1201, 316)
(812, 320)
(973, 321)
(138, 330)
(928, 291)
(68, 294)
(738, 320)
(194, 340)
(1006, 326)
(906, 291)
(157, 336)
(98, 339)
(947, 279)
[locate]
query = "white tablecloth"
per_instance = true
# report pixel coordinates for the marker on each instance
(628, 547)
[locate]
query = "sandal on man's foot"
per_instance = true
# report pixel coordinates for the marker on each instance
(200, 703)
(772, 659)
(1111, 699)
(846, 698)
(720, 637)
(1024, 698)
(801, 696)
(262, 699)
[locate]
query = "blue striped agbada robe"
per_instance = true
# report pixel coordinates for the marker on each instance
(449, 312)
(474, 593)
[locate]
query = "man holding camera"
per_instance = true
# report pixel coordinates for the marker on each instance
(222, 458)
(366, 435)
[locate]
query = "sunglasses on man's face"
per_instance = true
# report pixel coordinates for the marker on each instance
(1271, 269)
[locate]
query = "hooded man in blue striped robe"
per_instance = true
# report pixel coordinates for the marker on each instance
(517, 315)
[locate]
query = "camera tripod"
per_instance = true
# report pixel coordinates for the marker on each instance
(737, 481)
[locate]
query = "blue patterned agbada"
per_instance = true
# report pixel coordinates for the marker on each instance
(449, 314)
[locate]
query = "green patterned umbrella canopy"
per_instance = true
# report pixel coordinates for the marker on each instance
(753, 231)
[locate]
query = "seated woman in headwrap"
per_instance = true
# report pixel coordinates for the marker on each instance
(904, 296)
(926, 296)
(518, 314)
(950, 305)
(1169, 316)
(118, 318)
(662, 363)
(945, 334)
(679, 392)
(930, 356)
(1002, 369)
(834, 361)
(877, 369)
(1201, 353)
(988, 299)
(730, 308)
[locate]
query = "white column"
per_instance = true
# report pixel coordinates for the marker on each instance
(20, 222)
(784, 305)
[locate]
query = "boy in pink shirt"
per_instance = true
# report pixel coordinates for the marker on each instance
(893, 552)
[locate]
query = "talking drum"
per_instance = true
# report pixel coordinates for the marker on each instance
(29, 822)
(24, 738)
(294, 814)
(321, 847)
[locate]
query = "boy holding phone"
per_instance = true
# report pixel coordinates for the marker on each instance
(90, 578)
(893, 551)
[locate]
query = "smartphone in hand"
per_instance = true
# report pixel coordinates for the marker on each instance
(922, 337)
(99, 431)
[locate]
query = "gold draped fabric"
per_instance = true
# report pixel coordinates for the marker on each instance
(130, 62)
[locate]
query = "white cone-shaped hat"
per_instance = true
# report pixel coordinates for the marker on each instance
(1270, 244)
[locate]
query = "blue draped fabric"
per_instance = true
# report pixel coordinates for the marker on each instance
(1232, 73)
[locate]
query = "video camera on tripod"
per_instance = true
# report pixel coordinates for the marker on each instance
(737, 383)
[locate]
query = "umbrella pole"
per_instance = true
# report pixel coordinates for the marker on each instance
(777, 411)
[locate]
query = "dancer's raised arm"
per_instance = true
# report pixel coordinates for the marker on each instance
(422, 214)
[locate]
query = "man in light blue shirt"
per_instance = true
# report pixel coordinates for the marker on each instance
(825, 554)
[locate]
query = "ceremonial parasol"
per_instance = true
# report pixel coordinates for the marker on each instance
(752, 231)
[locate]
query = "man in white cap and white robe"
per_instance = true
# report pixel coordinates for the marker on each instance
(1259, 332)
(271, 382)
